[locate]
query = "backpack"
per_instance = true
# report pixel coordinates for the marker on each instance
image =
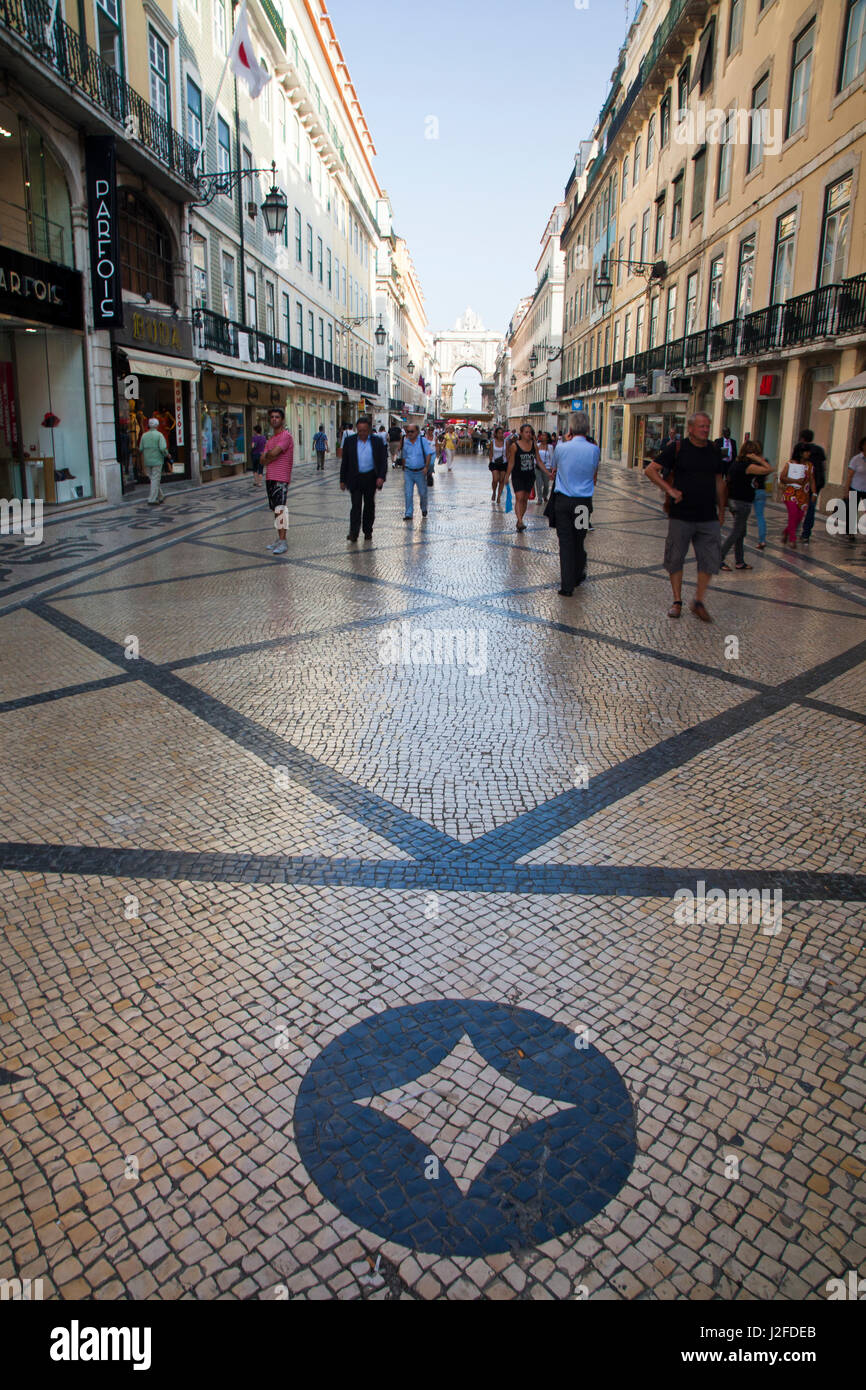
(395, 434)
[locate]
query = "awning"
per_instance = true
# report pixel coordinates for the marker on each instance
(169, 368)
(247, 371)
(848, 395)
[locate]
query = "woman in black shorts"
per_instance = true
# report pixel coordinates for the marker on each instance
(497, 465)
(523, 459)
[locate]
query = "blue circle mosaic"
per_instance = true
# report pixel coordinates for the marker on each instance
(546, 1179)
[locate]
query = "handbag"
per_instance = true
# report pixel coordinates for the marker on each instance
(430, 476)
(550, 508)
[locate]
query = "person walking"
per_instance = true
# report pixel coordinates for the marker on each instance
(727, 448)
(278, 459)
(449, 448)
(320, 444)
(154, 452)
(258, 444)
(576, 463)
(416, 455)
(819, 468)
(542, 477)
(497, 464)
(690, 473)
(740, 492)
(523, 459)
(798, 488)
(857, 484)
(759, 484)
(363, 470)
(395, 444)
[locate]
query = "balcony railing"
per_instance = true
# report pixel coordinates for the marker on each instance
(828, 312)
(214, 333)
(77, 63)
(25, 230)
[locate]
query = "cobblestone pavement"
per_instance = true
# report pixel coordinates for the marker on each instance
(348, 949)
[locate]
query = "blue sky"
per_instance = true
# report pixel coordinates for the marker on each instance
(515, 87)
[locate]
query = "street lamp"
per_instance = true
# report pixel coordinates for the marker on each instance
(410, 367)
(533, 359)
(274, 208)
(380, 335)
(653, 270)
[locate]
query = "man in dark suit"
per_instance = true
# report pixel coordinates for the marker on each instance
(728, 448)
(363, 470)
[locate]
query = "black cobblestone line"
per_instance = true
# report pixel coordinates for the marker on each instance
(303, 563)
(584, 880)
(561, 813)
(156, 583)
(382, 817)
(65, 692)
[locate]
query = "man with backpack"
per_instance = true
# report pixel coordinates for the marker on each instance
(691, 474)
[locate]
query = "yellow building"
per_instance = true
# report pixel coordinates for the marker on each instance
(715, 247)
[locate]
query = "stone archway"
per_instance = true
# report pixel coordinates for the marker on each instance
(467, 344)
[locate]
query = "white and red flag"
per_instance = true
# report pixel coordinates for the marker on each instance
(242, 57)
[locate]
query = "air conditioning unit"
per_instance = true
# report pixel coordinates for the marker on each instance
(252, 209)
(661, 383)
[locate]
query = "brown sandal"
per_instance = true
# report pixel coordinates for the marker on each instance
(700, 611)
(676, 608)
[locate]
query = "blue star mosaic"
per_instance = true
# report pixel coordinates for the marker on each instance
(549, 1177)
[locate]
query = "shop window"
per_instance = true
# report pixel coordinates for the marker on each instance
(145, 249)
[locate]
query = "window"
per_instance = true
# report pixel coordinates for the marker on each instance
(330, 342)
(287, 318)
(311, 331)
(321, 337)
(158, 55)
(671, 314)
(219, 25)
(745, 275)
(224, 146)
(270, 309)
(328, 265)
(801, 78)
(644, 236)
(631, 241)
(194, 123)
(834, 234)
(699, 182)
(616, 330)
(299, 324)
(626, 336)
(714, 300)
(145, 249)
(691, 303)
(624, 190)
(252, 307)
(320, 260)
(659, 242)
(638, 327)
(281, 116)
(582, 290)
(653, 323)
(636, 174)
(620, 259)
(299, 249)
(108, 36)
(651, 142)
(309, 248)
(854, 45)
(704, 63)
(344, 284)
(677, 206)
(665, 120)
(783, 258)
(228, 264)
(308, 161)
(760, 97)
(247, 166)
(683, 87)
(735, 25)
(297, 142)
(199, 271)
(726, 156)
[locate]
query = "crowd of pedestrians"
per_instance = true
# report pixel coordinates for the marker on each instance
(702, 480)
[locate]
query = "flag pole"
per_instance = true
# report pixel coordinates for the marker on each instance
(213, 113)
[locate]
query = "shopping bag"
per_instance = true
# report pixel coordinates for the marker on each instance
(509, 504)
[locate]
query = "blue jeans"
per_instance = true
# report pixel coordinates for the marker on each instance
(412, 478)
(760, 503)
(809, 519)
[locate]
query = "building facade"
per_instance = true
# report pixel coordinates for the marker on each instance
(404, 361)
(714, 244)
(537, 344)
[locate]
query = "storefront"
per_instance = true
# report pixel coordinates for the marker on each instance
(232, 409)
(44, 436)
(153, 371)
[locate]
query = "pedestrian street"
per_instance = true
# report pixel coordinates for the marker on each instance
(381, 924)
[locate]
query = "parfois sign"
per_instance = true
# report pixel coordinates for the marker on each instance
(102, 214)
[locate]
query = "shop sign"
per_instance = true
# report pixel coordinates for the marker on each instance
(34, 289)
(8, 418)
(101, 171)
(178, 413)
(732, 388)
(152, 332)
(768, 387)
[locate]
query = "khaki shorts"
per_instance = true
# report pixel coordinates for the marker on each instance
(706, 536)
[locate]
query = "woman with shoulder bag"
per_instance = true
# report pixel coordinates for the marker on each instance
(740, 492)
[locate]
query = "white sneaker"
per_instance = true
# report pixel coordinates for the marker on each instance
(279, 549)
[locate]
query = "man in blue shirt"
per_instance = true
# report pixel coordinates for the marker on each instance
(320, 444)
(363, 470)
(576, 463)
(416, 453)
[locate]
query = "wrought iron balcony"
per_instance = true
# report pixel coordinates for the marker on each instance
(75, 62)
